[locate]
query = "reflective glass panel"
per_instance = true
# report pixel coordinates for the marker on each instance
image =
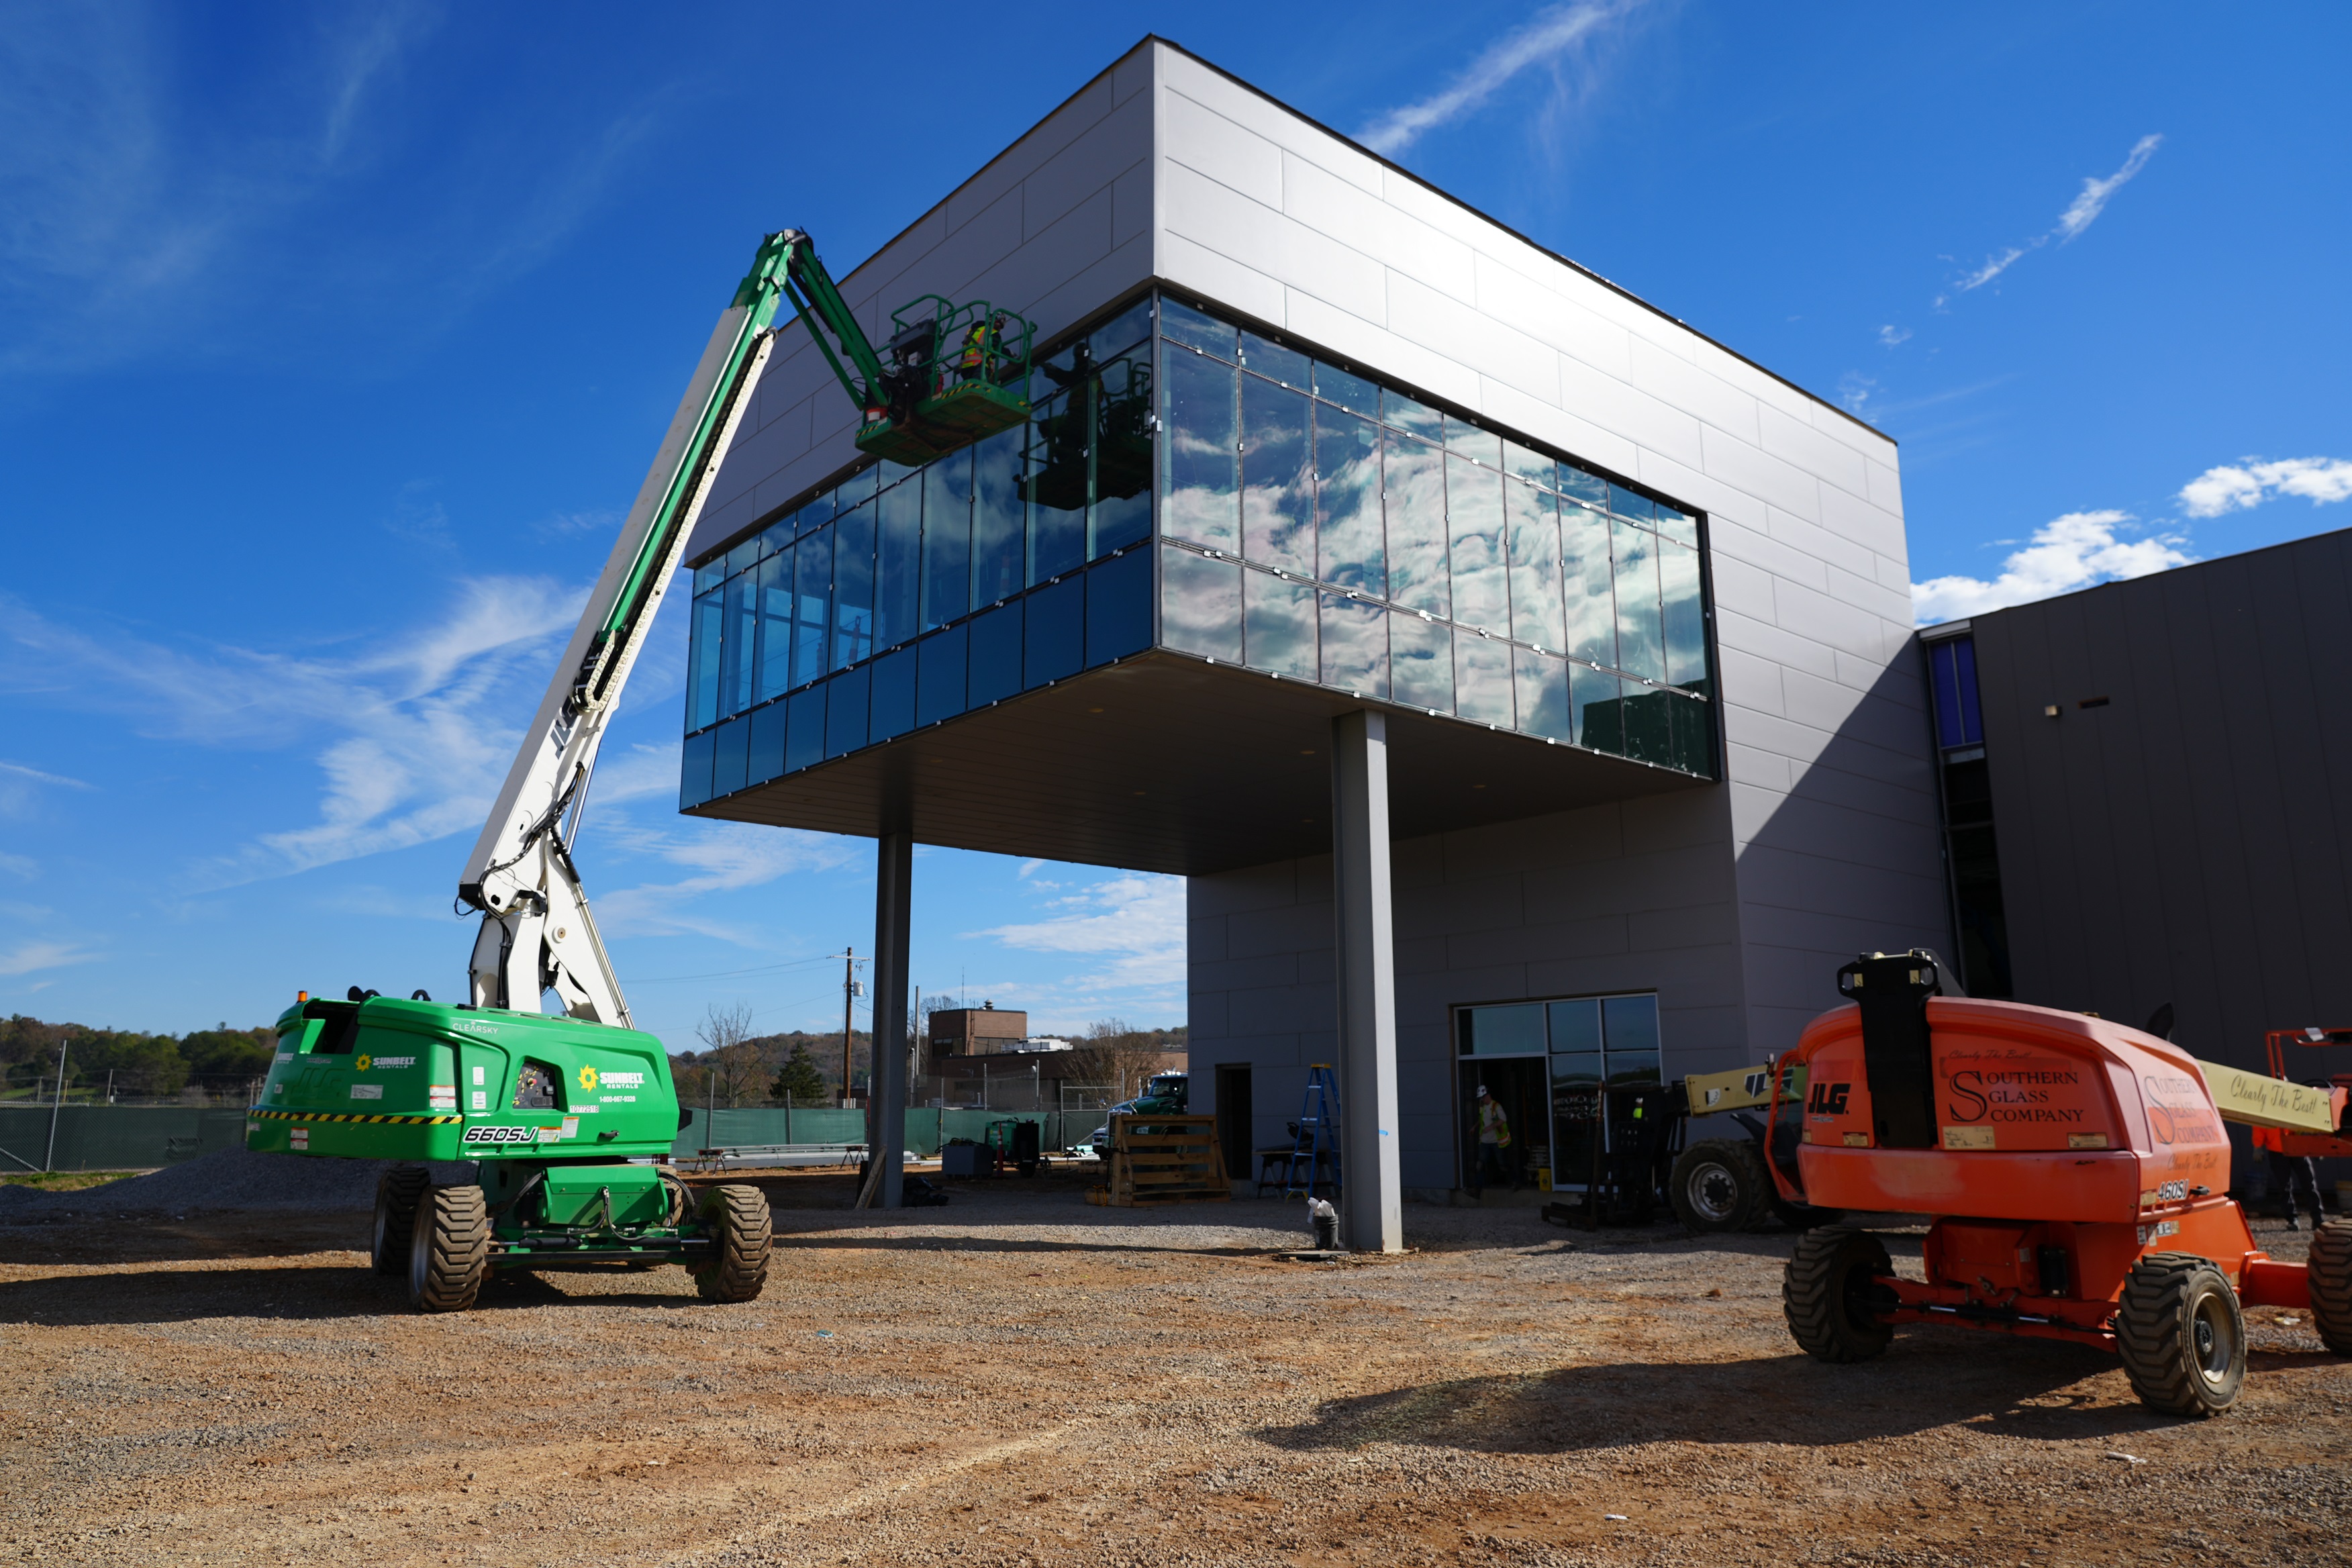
(1526, 463)
(1482, 679)
(1576, 1026)
(1516, 1030)
(1589, 489)
(729, 753)
(1123, 448)
(767, 753)
(1123, 330)
(1640, 639)
(1352, 392)
(1649, 724)
(1055, 484)
(745, 555)
(812, 605)
(1629, 1026)
(1278, 621)
(1578, 1072)
(859, 486)
(1202, 479)
(1533, 517)
(1632, 1070)
(1269, 358)
(1200, 605)
(1626, 504)
(1055, 645)
(1678, 526)
(995, 668)
(1413, 475)
(947, 540)
(1118, 607)
(1542, 682)
(939, 676)
(735, 647)
(1421, 662)
(1594, 710)
(1349, 545)
(702, 664)
(1354, 646)
(1587, 582)
(887, 473)
(1278, 478)
(1694, 724)
(845, 711)
(891, 705)
(1469, 439)
(694, 770)
(775, 596)
(1474, 520)
(898, 556)
(708, 576)
(805, 728)
(1685, 626)
(1185, 325)
(999, 533)
(817, 512)
(1402, 411)
(853, 587)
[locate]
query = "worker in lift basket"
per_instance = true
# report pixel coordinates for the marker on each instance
(1494, 1138)
(2292, 1175)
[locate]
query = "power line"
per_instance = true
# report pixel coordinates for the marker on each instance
(728, 974)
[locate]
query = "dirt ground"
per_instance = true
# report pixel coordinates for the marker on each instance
(1020, 1378)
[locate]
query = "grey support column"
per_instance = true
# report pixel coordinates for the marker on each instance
(894, 885)
(1371, 1212)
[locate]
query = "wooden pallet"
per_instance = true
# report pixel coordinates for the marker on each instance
(1159, 1160)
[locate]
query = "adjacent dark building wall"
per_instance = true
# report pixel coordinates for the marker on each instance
(2190, 839)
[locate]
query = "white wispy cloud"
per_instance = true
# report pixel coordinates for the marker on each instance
(2079, 215)
(28, 958)
(2076, 551)
(2237, 486)
(23, 866)
(1550, 35)
(721, 857)
(1893, 336)
(1136, 920)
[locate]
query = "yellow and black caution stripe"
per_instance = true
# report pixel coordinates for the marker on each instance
(265, 1114)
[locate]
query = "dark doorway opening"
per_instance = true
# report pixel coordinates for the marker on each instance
(1521, 1088)
(1233, 1119)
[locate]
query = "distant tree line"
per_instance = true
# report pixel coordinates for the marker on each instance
(134, 1065)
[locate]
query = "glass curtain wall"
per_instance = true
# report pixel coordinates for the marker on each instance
(1322, 527)
(1547, 1061)
(902, 596)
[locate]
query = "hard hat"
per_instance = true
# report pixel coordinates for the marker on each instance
(1482, 1091)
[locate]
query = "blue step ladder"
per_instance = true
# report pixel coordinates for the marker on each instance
(1315, 1145)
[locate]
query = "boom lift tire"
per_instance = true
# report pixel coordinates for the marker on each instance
(1720, 1185)
(2182, 1338)
(1827, 1295)
(737, 1220)
(450, 1249)
(2330, 1272)
(397, 1192)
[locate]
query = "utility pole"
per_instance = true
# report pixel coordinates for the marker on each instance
(848, 1006)
(915, 1075)
(57, 1103)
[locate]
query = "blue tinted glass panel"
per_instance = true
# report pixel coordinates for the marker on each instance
(1201, 471)
(1473, 523)
(1678, 526)
(999, 527)
(1118, 607)
(995, 658)
(766, 756)
(780, 531)
(845, 711)
(897, 563)
(1589, 489)
(1273, 361)
(1415, 481)
(694, 770)
(1481, 679)
(804, 728)
(1352, 392)
(1595, 710)
(1641, 637)
(1533, 518)
(1513, 1031)
(853, 587)
(1348, 540)
(1122, 454)
(1278, 625)
(1629, 1025)
(939, 676)
(1421, 662)
(1055, 484)
(1952, 665)
(709, 574)
(857, 487)
(1576, 1026)
(775, 599)
(1402, 411)
(1684, 622)
(1694, 737)
(892, 704)
(1122, 332)
(1355, 651)
(1199, 605)
(736, 645)
(1185, 325)
(1469, 439)
(1542, 682)
(1964, 655)
(745, 556)
(1526, 463)
(1625, 503)
(702, 663)
(1587, 584)
(947, 540)
(817, 513)
(729, 756)
(1278, 478)
(1056, 633)
(812, 606)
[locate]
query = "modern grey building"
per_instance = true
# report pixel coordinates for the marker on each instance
(1351, 519)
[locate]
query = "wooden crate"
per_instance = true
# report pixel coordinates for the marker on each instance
(1165, 1160)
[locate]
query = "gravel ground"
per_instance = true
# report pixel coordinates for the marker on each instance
(1019, 1378)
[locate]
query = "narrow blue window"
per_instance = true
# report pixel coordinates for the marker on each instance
(694, 771)
(939, 676)
(805, 737)
(893, 703)
(1118, 607)
(730, 757)
(1952, 667)
(1055, 640)
(995, 671)
(844, 712)
(766, 758)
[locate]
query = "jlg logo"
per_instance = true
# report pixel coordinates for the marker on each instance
(1829, 1099)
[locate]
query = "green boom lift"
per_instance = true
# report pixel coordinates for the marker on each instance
(569, 1120)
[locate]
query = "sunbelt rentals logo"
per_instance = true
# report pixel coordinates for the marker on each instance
(587, 1078)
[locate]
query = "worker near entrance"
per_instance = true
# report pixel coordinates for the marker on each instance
(1494, 1138)
(2292, 1176)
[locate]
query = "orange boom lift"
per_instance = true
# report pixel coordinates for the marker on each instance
(2076, 1172)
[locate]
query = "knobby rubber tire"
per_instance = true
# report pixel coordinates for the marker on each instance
(449, 1251)
(1827, 1294)
(397, 1192)
(2330, 1273)
(736, 1220)
(1718, 1185)
(2168, 1298)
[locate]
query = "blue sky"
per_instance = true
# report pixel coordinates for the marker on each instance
(333, 339)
